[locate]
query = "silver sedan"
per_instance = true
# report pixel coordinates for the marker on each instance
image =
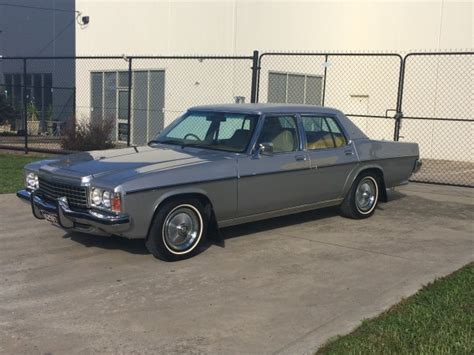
(218, 166)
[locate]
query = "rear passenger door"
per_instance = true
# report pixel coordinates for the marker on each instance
(332, 156)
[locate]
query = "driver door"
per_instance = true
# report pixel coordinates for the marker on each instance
(269, 182)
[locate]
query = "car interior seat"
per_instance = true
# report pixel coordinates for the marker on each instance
(322, 140)
(239, 139)
(283, 139)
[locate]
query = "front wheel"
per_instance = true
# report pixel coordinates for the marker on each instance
(178, 230)
(362, 198)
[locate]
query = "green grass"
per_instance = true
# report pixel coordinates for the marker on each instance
(11, 170)
(439, 319)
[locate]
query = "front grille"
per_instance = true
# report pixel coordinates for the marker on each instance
(77, 196)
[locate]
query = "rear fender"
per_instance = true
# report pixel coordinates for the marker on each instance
(360, 169)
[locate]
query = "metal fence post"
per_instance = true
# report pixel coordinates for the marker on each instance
(326, 58)
(399, 112)
(129, 114)
(255, 75)
(74, 103)
(25, 106)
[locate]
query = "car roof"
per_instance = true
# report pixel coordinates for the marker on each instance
(265, 108)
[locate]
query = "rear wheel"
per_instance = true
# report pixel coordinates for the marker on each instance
(363, 196)
(178, 230)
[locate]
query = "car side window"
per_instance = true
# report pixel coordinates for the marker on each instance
(282, 132)
(322, 132)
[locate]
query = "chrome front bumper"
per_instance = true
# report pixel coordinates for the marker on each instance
(87, 221)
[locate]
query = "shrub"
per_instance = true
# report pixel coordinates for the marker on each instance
(32, 112)
(8, 114)
(8, 134)
(88, 135)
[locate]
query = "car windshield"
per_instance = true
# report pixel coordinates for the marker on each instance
(211, 130)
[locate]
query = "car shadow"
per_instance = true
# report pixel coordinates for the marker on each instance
(394, 195)
(278, 222)
(218, 237)
(133, 246)
(266, 225)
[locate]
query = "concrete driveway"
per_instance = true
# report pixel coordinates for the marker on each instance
(280, 286)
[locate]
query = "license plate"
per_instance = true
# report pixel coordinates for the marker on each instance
(52, 218)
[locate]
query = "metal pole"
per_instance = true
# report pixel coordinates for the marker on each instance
(399, 112)
(255, 71)
(74, 108)
(323, 99)
(25, 106)
(257, 96)
(129, 114)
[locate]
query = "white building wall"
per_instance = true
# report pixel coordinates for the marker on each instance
(238, 27)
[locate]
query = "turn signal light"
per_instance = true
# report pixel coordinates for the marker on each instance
(116, 203)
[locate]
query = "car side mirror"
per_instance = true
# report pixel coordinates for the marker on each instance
(264, 149)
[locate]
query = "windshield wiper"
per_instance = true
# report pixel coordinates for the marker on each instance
(168, 141)
(193, 145)
(177, 142)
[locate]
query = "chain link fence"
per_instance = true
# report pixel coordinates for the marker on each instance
(364, 86)
(136, 96)
(37, 99)
(41, 98)
(438, 114)
(163, 88)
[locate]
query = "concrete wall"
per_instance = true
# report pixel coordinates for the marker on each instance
(236, 27)
(45, 28)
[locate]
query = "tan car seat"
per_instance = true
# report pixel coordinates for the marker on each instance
(284, 142)
(327, 142)
(283, 139)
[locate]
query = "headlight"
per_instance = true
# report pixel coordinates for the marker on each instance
(97, 197)
(32, 181)
(106, 200)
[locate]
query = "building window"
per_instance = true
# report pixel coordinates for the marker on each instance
(123, 79)
(294, 88)
(110, 99)
(37, 87)
(123, 104)
(122, 132)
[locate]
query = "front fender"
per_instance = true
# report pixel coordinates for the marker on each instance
(142, 205)
(177, 192)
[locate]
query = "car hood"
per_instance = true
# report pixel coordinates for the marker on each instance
(128, 161)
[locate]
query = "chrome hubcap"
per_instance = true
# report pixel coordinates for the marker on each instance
(181, 228)
(366, 195)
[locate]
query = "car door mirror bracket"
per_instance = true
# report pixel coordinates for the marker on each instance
(263, 149)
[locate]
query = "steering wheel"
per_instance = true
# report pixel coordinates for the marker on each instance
(192, 135)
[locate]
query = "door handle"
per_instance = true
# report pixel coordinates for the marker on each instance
(349, 152)
(300, 157)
